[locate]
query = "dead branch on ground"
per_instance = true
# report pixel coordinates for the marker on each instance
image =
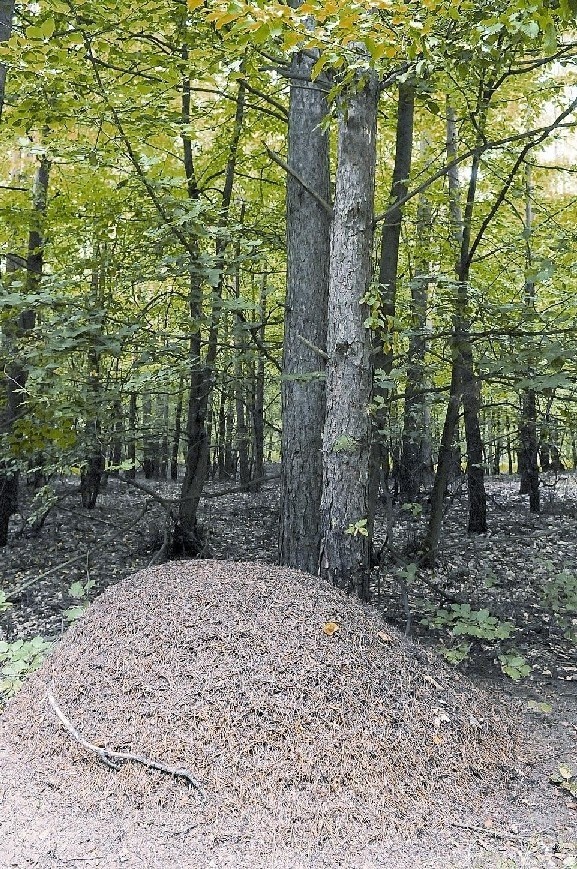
(112, 758)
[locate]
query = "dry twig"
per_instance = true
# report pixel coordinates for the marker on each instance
(489, 831)
(111, 758)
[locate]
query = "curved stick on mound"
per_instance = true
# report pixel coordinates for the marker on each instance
(111, 758)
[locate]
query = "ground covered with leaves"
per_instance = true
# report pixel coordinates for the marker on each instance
(389, 738)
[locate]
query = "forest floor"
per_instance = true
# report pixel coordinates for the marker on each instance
(521, 571)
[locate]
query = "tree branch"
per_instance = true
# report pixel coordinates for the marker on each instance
(111, 758)
(284, 165)
(487, 146)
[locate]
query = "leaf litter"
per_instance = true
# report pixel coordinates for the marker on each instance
(323, 745)
(342, 788)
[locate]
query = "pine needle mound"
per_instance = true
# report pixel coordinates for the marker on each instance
(305, 717)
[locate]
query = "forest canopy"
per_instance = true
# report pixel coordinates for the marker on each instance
(335, 235)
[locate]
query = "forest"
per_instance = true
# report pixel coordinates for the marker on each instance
(293, 283)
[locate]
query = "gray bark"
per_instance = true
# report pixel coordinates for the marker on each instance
(303, 388)
(464, 384)
(415, 460)
(528, 455)
(344, 556)
(6, 16)
(388, 267)
(12, 406)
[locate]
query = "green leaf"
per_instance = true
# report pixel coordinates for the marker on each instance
(77, 590)
(47, 28)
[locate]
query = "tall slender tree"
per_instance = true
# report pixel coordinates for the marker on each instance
(6, 18)
(388, 267)
(529, 442)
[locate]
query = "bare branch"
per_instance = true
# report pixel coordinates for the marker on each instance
(284, 165)
(111, 758)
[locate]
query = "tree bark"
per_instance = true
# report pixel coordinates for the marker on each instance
(529, 441)
(94, 458)
(345, 540)
(258, 398)
(302, 386)
(6, 17)
(177, 431)
(132, 414)
(16, 373)
(201, 370)
(388, 268)
(464, 384)
(414, 456)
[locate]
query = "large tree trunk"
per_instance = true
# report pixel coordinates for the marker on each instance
(303, 388)
(345, 538)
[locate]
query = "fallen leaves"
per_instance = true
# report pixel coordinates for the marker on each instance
(331, 628)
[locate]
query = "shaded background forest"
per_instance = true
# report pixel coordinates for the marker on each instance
(340, 234)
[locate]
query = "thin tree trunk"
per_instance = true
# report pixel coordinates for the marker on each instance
(117, 439)
(471, 395)
(345, 534)
(302, 386)
(94, 457)
(229, 458)
(413, 470)
(240, 362)
(221, 438)
(149, 457)
(201, 374)
(464, 385)
(177, 431)
(132, 414)
(6, 17)
(509, 447)
(258, 400)
(162, 416)
(16, 372)
(529, 442)
(388, 268)
(497, 426)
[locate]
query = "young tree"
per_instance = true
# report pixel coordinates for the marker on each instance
(529, 442)
(6, 17)
(387, 279)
